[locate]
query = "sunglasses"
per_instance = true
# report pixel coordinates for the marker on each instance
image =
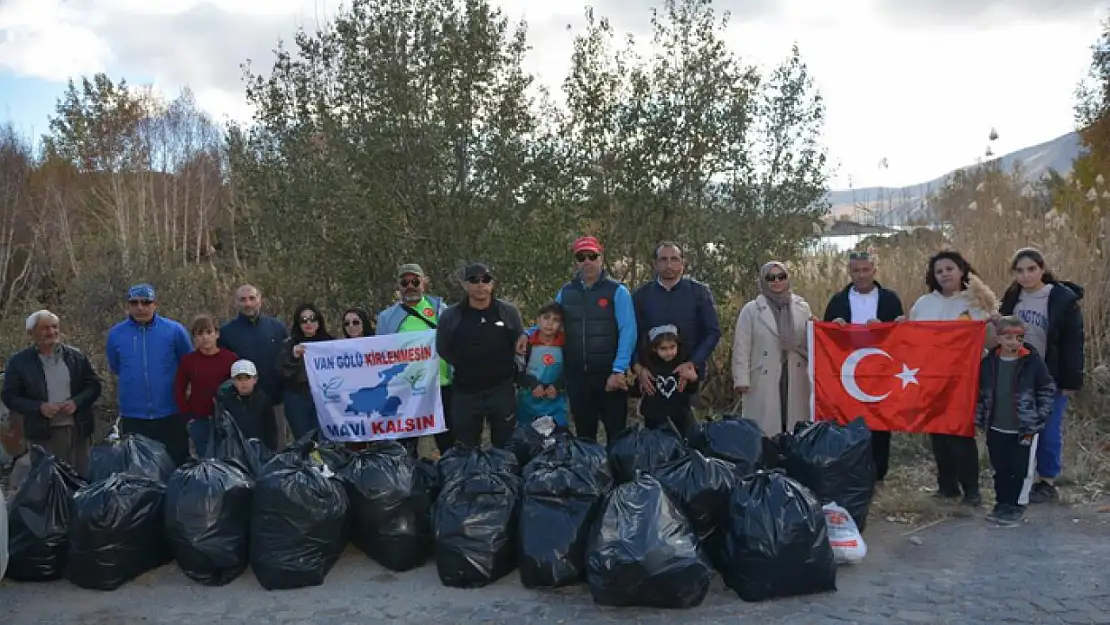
(309, 319)
(407, 282)
(140, 302)
(484, 279)
(352, 322)
(776, 277)
(584, 256)
(859, 256)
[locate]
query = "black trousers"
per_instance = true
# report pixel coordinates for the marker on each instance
(170, 431)
(880, 451)
(1010, 461)
(471, 410)
(660, 412)
(591, 405)
(446, 440)
(957, 459)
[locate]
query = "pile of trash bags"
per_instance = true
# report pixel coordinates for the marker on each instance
(835, 462)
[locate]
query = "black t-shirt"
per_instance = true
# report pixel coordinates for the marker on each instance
(485, 352)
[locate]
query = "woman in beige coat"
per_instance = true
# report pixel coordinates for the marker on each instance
(770, 362)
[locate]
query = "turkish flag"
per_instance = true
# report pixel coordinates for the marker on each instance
(913, 376)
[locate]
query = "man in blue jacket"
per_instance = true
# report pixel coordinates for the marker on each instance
(143, 352)
(673, 298)
(258, 338)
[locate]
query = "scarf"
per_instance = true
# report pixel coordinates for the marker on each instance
(781, 305)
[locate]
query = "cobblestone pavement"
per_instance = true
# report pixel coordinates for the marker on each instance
(1051, 570)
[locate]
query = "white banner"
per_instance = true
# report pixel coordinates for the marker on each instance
(376, 388)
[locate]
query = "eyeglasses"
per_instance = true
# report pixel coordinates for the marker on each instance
(140, 302)
(486, 279)
(776, 277)
(352, 322)
(407, 282)
(308, 319)
(584, 256)
(859, 256)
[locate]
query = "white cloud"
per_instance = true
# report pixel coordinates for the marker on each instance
(919, 84)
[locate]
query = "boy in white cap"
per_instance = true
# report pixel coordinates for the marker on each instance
(248, 404)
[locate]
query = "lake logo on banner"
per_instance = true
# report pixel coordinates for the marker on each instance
(376, 388)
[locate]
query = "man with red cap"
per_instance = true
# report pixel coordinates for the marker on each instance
(600, 329)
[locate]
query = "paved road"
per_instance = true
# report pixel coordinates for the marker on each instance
(1050, 571)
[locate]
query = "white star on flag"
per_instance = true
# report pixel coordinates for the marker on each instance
(908, 376)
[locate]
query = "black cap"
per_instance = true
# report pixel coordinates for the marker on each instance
(476, 270)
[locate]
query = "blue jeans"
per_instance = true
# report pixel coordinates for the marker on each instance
(201, 433)
(1050, 444)
(300, 413)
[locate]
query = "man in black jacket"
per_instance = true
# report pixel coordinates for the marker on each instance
(53, 387)
(861, 302)
(478, 338)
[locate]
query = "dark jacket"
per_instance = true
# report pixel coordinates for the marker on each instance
(1034, 391)
(1064, 351)
(689, 306)
(600, 326)
(449, 323)
(254, 414)
(840, 307)
(293, 375)
(25, 390)
(259, 340)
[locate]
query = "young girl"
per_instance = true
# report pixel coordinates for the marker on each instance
(669, 404)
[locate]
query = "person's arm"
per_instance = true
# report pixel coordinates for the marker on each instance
(1070, 347)
(182, 342)
(742, 349)
(1046, 391)
(626, 328)
(181, 389)
(289, 366)
(269, 425)
(444, 335)
(896, 306)
(983, 394)
(112, 353)
(515, 321)
(711, 331)
(91, 386)
(14, 393)
(831, 308)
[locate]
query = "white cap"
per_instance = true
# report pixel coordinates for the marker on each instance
(243, 367)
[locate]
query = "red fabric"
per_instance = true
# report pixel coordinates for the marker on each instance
(202, 376)
(586, 244)
(945, 354)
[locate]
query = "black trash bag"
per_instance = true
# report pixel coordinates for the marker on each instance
(475, 522)
(643, 552)
(298, 525)
(562, 493)
(641, 449)
(701, 487)
(526, 443)
(835, 462)
(39, 517)
(208, 511)
(461, 460)
(390, 499)
(310, 450)
(118, 532)
(229, 444)
(133, 454)
(732, 438)
(776, 540)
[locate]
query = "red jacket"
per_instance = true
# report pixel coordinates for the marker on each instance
(198, 378)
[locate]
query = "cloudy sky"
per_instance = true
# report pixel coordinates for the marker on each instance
(919, 83)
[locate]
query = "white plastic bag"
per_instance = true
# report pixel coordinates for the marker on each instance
(844, 537)
(3, 535)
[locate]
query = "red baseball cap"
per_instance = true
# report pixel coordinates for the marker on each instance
(587, 244)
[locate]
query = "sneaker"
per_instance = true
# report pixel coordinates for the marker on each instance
(993, 514)
(1043, 492)
(1010, 517)
(972, 501)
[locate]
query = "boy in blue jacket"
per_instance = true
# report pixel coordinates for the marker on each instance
(1015, 401)
(542, 387)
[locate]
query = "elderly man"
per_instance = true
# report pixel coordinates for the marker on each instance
(600, 329)
(676, 299)
(143, 352)
(478, 337)
(861, 302)
(417, 311)
(258, 338)
(53, 387)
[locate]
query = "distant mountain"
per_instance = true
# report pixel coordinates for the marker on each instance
(896, 206)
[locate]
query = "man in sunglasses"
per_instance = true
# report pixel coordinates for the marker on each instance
(861, 302)
(600, 329)
(417, 311)
(478, 337)
(143, 352)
